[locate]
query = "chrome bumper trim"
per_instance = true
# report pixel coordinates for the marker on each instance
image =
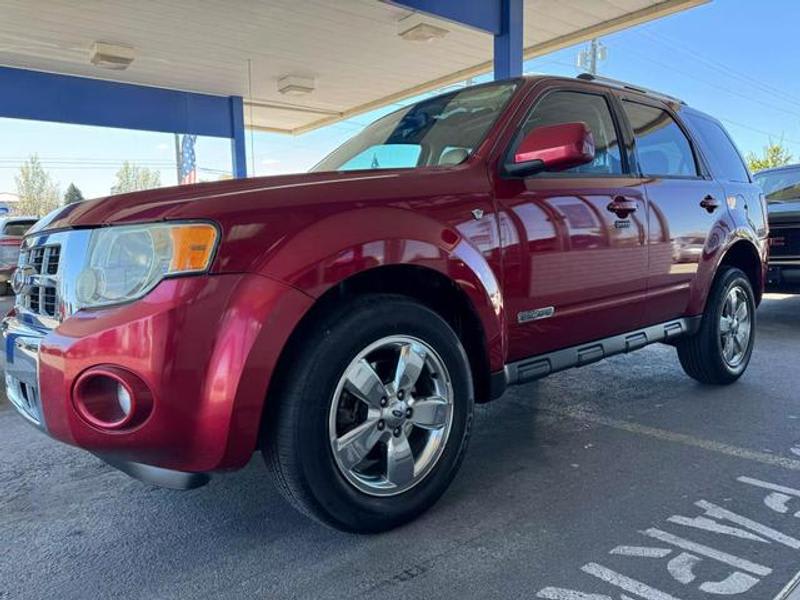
(20, 363)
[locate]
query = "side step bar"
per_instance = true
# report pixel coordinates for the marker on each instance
(536, 367)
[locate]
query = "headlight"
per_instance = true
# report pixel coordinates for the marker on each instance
(124, 263)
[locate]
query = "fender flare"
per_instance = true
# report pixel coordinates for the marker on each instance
(334, 248)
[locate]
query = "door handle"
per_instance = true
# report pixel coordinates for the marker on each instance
(709, 203)
(622, 207)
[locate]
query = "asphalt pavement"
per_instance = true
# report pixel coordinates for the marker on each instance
(624, 479)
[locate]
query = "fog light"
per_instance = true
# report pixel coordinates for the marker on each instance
(112, 398)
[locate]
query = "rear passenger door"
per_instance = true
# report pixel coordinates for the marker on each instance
(684, 203)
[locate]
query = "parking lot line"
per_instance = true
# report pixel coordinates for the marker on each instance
(672, 436)
(791, 591)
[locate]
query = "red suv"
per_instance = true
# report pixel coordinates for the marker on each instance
(345, 321)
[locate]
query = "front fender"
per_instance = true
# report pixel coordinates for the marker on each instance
(330, 250)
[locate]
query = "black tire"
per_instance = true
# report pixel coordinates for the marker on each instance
(701, 355)
(297, 445)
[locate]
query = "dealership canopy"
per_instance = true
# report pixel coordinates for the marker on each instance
(297, 64)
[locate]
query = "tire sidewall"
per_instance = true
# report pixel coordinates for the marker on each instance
(341, 339)
(733, 278)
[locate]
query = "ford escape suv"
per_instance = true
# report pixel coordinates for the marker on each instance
(344, 321)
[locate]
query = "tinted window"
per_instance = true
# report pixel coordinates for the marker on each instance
(662, 149)
(18, 228)
(723, 157)
(572, 107)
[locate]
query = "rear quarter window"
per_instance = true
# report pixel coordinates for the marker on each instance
(724, 159)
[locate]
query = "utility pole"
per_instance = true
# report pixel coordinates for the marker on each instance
(589, 57)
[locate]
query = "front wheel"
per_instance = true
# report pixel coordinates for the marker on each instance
(372, 420)
(720, 351)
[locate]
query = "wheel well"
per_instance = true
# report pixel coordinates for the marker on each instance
(743, 255)
(426, 286)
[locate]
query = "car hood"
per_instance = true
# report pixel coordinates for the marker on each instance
(208, 200)
(785, 211)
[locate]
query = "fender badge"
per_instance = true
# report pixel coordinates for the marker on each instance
(536, 314)
(478, 214)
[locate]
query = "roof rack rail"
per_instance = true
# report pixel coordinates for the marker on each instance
(628, 86)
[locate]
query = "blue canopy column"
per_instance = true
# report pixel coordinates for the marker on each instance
(502, 18)
(83, 101)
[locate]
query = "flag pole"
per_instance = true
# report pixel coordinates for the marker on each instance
(178, 158)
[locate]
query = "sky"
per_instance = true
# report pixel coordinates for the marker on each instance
(734, 59)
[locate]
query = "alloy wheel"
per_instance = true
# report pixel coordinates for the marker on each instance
(391, 415)
(735, 327)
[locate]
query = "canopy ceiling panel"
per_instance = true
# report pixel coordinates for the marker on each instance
(347, 55)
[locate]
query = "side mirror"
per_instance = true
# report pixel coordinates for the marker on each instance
(552, 148)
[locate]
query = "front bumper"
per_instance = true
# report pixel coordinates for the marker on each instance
(205, 347)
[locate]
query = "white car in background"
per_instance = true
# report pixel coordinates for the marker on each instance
(12, 229)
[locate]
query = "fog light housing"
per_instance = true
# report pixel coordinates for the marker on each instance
(112, 398)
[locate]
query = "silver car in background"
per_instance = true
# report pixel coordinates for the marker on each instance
(12, 229)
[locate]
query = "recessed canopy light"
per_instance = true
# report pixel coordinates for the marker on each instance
(111, 56)
(420, 28)
(293, 85)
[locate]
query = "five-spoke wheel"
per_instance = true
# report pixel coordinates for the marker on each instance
(720, 351)
(391, 415)
(371, 414)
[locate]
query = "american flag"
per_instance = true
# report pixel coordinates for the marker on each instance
(188, 168)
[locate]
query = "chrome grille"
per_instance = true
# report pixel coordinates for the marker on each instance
(41, 297)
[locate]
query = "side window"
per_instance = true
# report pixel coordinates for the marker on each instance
(662, 149)
(724, 159)
(571, 107)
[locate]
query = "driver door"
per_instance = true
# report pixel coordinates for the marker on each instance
(574, 271)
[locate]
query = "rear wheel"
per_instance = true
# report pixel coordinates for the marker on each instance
(373, 418)
(720, 351)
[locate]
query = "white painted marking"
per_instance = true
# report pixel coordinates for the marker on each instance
(791, 591)
(717, 512)
(795, 450)
(641, 551)
(735, 583)
(714, 527)
(678, 438)
(723, 557)
(769, 486)
(553, 593)
(778, 502)
(626, 583)
(681, 567)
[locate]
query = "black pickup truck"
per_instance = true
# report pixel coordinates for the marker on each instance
(782, 188)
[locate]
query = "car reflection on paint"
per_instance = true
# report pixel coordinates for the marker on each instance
(688, 249)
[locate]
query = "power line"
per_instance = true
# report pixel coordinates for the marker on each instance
(717, 65)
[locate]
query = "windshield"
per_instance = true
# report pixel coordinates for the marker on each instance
(780, 185)
(440, 131)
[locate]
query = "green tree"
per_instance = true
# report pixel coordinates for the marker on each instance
(73, 194)
(132, 178)
(775, 154)
(38, 193)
